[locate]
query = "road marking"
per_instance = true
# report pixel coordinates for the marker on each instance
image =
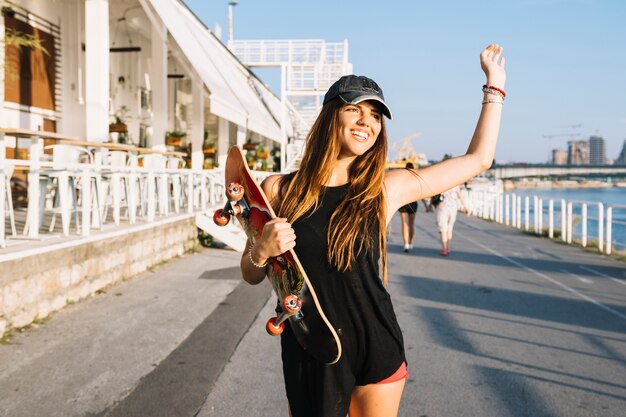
(593, 271)
(578, 277)
(547, 278)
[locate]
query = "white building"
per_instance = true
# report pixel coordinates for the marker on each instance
(151, 63)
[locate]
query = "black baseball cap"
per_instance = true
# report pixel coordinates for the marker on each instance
(354, 89)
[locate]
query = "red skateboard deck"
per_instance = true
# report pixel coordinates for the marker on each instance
(297, 301)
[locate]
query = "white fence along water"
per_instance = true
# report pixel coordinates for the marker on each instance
(587, 221)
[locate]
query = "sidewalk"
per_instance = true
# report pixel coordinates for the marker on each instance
(86, 359)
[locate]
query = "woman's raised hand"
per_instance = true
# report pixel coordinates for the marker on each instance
(492, 64)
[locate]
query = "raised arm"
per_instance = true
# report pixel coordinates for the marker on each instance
(404, 186)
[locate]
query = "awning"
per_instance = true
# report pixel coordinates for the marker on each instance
(232, 95)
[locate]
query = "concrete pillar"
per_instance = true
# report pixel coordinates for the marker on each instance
(158, 80)
(197, 126)
(97, 70)
(241, 135)
(223, 135)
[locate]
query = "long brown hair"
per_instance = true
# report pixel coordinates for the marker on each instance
(364, 207)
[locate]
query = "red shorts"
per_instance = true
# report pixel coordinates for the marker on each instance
(401, 373)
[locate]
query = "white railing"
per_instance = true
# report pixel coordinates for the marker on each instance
(132, 194)
(514, 210)
(610, 242)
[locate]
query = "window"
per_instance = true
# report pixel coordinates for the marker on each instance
(29, 71)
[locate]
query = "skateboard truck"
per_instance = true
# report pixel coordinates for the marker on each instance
(290, 306)
(233, 207)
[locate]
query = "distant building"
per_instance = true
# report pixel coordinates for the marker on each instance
(578, 152)
(621, 159)
(559, 156)
(597, 150)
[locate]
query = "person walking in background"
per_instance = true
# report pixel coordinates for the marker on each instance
(338, 204)
(446, 206)
(407, 214)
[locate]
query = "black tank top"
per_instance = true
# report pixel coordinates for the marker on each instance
(359, 308)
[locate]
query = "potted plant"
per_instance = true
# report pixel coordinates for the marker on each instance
(262, 153)
(174, 138)
(249, 145)
(119, 125)
(208, 147)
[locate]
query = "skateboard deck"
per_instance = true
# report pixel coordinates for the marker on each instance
(297, 300)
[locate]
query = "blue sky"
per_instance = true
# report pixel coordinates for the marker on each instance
(566, 63)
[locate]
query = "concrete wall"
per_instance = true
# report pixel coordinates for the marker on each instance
(34, 286)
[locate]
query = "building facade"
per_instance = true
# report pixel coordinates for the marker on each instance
(597, 150)
(559, 156)
(133, 72)
(621, 159)
(578, 152)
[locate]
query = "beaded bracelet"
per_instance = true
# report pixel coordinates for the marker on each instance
(493, 101)
(490, 89)
(252, 260)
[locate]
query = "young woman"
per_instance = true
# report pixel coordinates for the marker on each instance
(407, 215)
(445, 215)
(339, 204)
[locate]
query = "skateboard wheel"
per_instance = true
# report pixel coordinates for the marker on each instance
(220, 218)
(272, 329)
(291, 304)
(234, 191)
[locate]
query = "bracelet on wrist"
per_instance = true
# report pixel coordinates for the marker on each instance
(487, 101)
(252, 259)
(490, 89)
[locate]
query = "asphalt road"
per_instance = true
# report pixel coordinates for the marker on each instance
(507, 325)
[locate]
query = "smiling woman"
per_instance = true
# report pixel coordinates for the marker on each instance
(339, 203)
(360, 125)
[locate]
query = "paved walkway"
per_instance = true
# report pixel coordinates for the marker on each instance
(507, 325)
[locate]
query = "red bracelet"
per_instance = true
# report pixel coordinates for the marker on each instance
(495, 88)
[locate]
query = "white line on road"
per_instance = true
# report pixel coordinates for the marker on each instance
(547, 278)
(593, 271)
(578, 277)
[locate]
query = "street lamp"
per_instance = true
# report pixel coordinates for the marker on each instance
(231, 3)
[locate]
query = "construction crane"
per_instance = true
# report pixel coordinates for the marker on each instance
(571, 135)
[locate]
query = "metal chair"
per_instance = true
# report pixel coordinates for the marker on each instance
(61, 180)
(8, 212)
(116, 194)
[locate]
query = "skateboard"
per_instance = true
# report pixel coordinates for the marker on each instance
(297, 301)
